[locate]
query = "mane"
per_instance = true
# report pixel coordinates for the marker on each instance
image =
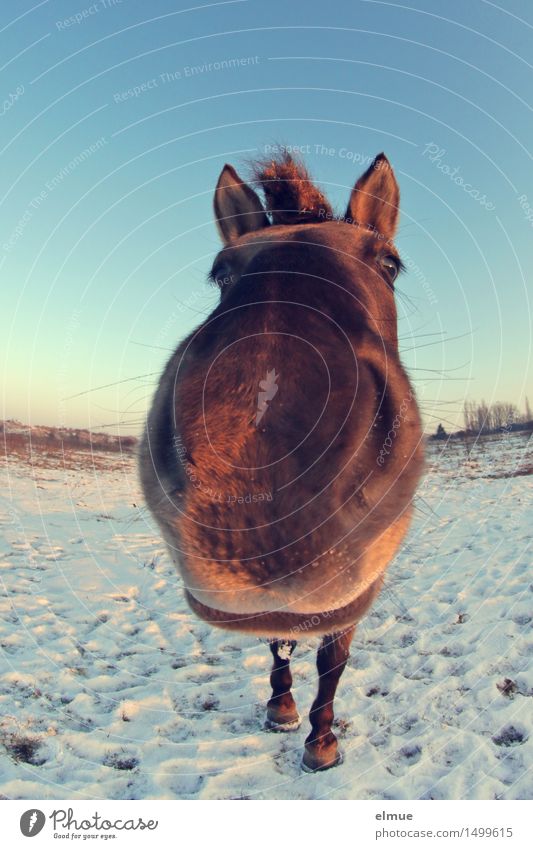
(290, 194)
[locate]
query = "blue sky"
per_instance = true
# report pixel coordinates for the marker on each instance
(113, 130)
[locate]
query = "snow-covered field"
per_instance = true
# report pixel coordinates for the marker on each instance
(110, 688)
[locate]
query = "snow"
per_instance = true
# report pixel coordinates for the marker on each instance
(284, 650)
(111, 689)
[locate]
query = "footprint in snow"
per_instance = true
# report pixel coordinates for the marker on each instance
(510, 735)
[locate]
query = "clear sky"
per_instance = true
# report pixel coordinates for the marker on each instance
(117, 117)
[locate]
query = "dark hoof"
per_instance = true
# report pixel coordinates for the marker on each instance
(317, 761)
(280, 720)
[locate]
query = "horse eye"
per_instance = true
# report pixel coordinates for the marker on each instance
(222, 275)
(391, 266)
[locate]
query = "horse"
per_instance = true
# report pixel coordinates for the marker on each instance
(283, 446)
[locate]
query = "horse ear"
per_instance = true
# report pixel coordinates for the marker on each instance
(238, 209)
(375, 199)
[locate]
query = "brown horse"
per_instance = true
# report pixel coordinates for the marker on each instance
(283, 446)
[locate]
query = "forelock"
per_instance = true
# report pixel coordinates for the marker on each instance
(291, 197)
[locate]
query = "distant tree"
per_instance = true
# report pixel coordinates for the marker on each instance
(498, 417)
(483, 417)
(441, 433)
(511, 415)
(501, 416)
(469, 415)
(529, 414)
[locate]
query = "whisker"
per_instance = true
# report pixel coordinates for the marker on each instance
(203, 313)
(430, 508)
(127, 410)
(441, 419)
(407, 300)
(141, 512)
(457, 404)
(109, 385)
(425, 324)
(416, 223)
(155, 347)
(441, 379)
(421, 335)
(395, 600)
(438, 342)
(421, 512)
(117, 424)
(438, 370)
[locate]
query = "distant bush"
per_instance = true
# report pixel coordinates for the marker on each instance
(440, 433)
(481, 418)
(25, 439)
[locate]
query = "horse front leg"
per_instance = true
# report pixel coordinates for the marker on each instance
(321, 749)
(282, 714)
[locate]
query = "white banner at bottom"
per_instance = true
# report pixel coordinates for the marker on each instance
(265, 824)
